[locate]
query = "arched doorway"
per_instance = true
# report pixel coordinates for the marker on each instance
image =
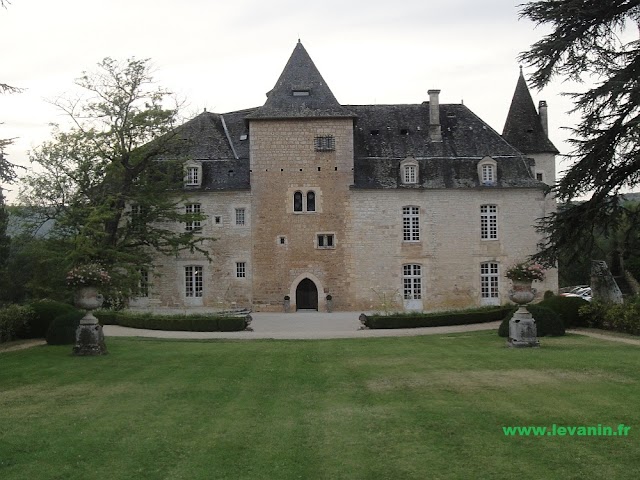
(306, 295)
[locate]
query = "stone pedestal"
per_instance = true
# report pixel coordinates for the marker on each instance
(90, 340)
(89, 335)
(522, 326)
(522, 329)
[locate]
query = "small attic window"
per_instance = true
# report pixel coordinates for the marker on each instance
(301, 93)
(404, 131)
(243, 137)
(375, 132)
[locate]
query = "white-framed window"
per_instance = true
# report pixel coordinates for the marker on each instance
(410, 174)
(409, 171)
(304, 201)
(143, 282)
(193, 225)
(411, 224)
(193, 283)
(488, 174)
(137, 216)
(412, 282)
(488, 222)
(325, 240)
(241, 270)
(489, 281)
(325, 143)
(193, 175)
(240, 216)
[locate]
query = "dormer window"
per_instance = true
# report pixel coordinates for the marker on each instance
(301, 93)
(409, 171)
(487, 171)
(193, 174)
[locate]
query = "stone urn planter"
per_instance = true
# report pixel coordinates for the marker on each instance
(87, 280)
(329, 299)
(89, 335)
(286, 304)
(522, 326)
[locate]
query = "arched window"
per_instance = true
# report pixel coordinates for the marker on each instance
(311, 201)
(488, 171)
(297, 202)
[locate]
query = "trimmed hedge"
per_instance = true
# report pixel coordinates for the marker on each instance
(548, 322)
(62, 330)
(182, 323)
(439, 319)
(14, 322)
(45, 312)
(568, 308)
(624, 317)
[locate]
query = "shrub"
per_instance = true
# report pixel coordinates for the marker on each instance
(548, 294)
(62, 330)
(107, 317)
(624, 317)
(189, 323)
(45, 312)
(14, 322)
(438, 319)
(548, 322)
(568, 308)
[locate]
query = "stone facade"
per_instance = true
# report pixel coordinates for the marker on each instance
(407, 207)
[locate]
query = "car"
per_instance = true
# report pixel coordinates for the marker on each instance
(580, 292)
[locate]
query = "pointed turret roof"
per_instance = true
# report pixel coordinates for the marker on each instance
(523, 128)
(300, 92)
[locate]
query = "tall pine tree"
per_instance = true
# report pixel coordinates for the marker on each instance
(587, 42)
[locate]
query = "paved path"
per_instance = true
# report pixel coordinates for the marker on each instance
(300, 325)
(605, 336)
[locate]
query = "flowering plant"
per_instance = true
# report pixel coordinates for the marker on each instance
(88, 275)
(526, 271)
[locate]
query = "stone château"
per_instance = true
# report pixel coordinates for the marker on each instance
(350, 206)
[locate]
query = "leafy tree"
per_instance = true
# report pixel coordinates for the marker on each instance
(102, 181)
(586, 42)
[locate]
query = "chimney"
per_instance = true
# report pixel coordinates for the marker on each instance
(435, 133)
(542, 111)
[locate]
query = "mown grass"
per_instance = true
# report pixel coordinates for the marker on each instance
(377, 408)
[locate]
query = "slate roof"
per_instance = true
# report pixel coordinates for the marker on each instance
(398, 131)
(300, 74)
(384, 135)
(523, 128)
(443, 172)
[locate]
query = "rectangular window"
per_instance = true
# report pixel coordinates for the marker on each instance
(193, 225)
(143, 283)
(192, 176)
(325, 144)
(326, 240)
(412, 282)
(489, 280)
(137, 217)
(411, 224)
(241, 270)
(240, 216)
(488, 175)
(193, 281)
(410, 174)
(488, 222)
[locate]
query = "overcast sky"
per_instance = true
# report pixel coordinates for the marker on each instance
(225, 56)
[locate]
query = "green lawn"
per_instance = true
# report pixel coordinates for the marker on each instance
(379, 408)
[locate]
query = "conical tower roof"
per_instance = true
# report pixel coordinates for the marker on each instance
(523, 128)
(300, 92)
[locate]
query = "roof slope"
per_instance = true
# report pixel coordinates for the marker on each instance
(397, 131)
(300, 75)
(523, 128)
